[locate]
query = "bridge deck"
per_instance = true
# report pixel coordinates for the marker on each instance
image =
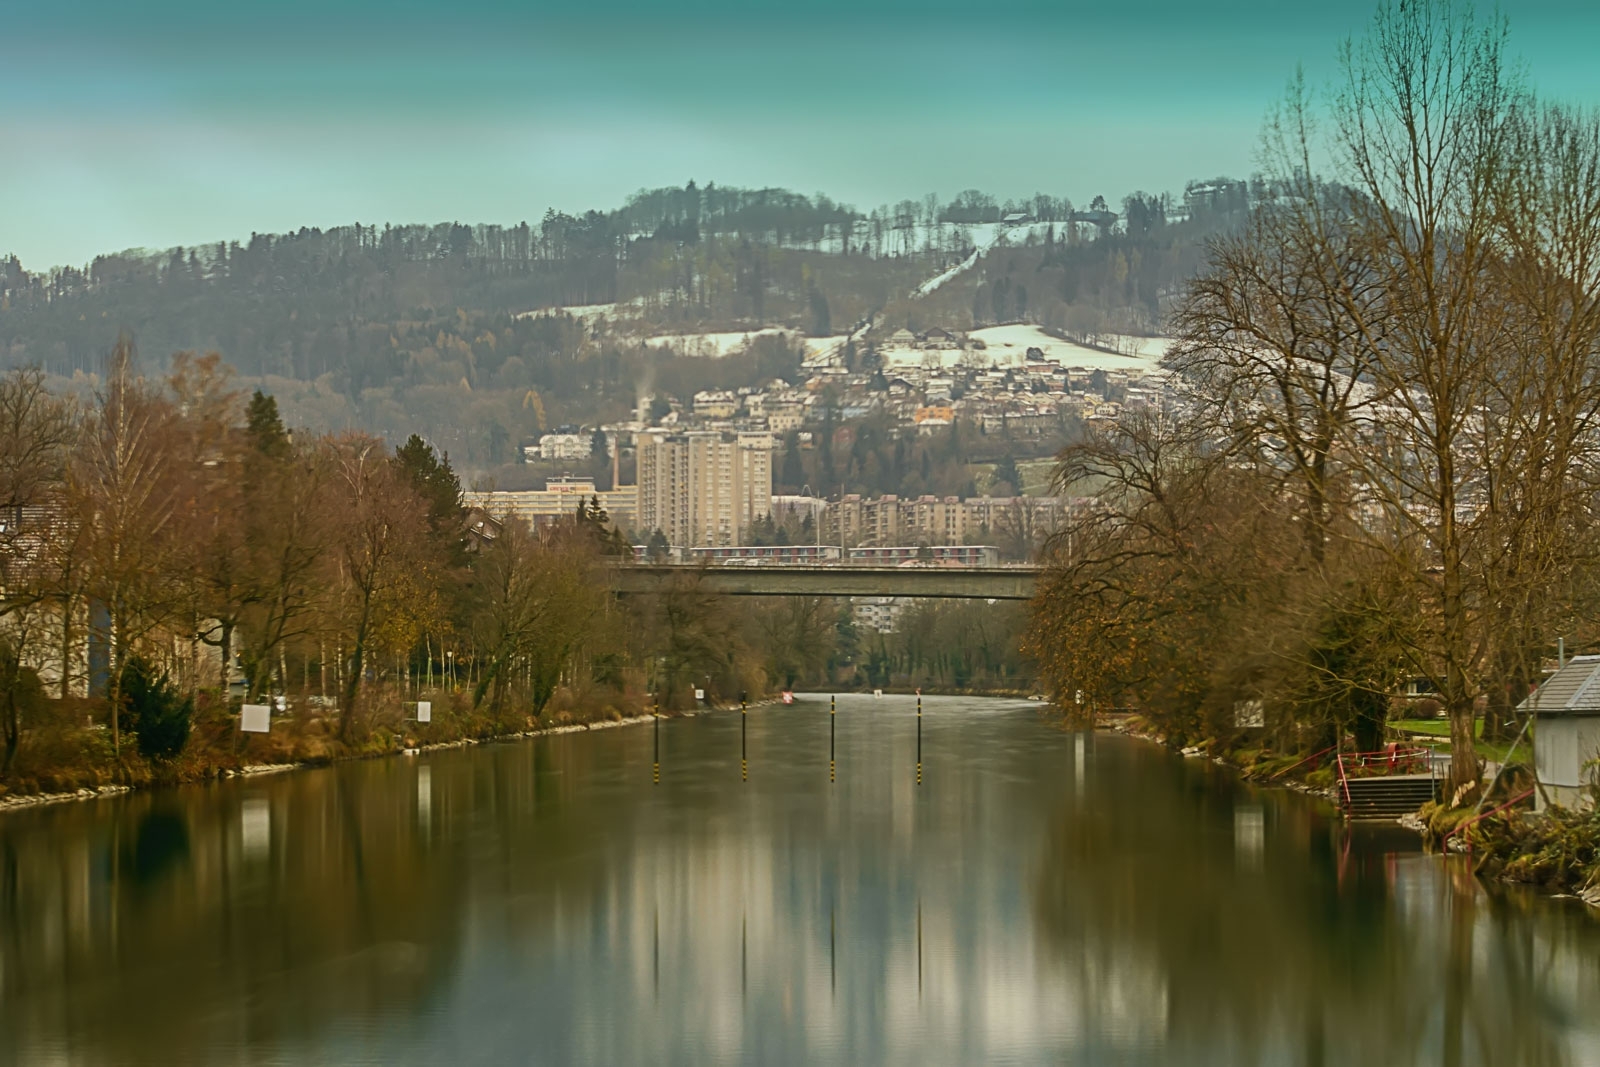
(973, 583)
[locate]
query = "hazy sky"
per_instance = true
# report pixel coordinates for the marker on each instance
(165, 122)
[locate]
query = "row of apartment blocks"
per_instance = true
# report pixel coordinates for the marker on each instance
(701, 487)
(705, 491)
(949, 520)
(866, 555)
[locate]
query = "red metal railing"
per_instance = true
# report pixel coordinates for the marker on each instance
(1395, 759)
(1464, 823)
(1309, 759)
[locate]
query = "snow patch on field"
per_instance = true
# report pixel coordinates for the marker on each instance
(1011, 344)
(824, 351)
(714, 345)
(1007, 346)
(584, 312)
(1144, 347)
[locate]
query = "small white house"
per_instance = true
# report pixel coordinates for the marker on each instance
(1566, 730)
(566, 446)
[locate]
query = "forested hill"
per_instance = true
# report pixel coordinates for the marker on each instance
(400, 308)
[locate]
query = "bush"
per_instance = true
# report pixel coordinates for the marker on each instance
(1559, 848)
(154, 711)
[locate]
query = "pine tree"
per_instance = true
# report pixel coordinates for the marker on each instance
(265, 427)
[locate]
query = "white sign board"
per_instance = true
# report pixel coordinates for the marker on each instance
(877, 694)
(424, 711)
(699, 694)
(255, 718)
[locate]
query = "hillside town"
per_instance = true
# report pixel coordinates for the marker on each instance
(703, 485)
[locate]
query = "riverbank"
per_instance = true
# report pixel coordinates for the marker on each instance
(1255, 766)
(1556, 851)
(301, 740)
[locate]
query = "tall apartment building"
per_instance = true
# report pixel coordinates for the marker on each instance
(703, 488)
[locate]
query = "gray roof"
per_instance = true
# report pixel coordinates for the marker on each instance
(1573, 690)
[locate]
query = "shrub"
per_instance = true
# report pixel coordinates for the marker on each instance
(154, 711)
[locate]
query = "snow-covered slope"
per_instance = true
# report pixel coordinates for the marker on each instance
(1007, 346)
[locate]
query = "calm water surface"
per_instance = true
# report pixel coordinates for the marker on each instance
(1044, 896)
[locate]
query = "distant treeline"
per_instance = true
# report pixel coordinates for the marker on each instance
(427, 329)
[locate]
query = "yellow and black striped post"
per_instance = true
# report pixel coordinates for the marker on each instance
(919, 738)
(833, 711)
(655, 713)
(744, 724)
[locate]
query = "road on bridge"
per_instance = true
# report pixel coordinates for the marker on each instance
(969, 583)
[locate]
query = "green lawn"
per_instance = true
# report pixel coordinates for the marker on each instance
(1440, 728)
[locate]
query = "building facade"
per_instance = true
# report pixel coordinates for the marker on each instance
(1020, 523)
(559, 499)
(566, 446)
(703, 488)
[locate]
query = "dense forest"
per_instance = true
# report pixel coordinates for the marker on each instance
(479, 336)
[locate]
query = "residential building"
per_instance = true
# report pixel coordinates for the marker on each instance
(566, 446)
(947, 555)
(703, 488)
(559, 499)
(783, 417)
(715, 404)
(1019, 522)
(879, 614)
(790, 554)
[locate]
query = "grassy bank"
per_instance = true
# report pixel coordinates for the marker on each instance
(69, 749)
(1436, 732)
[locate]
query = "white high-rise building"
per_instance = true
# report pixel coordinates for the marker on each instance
(703, 488)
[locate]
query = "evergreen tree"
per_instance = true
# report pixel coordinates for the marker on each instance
(154, 710)
(264, 426)
(433, 479)
(821, 320)
(431, 476)
(1006, 471)
(794, 474)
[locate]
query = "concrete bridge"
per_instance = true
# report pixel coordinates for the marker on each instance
(971, 583)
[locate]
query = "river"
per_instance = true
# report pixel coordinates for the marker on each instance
(1043, 896)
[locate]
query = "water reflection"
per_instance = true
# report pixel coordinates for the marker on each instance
(1043, 896)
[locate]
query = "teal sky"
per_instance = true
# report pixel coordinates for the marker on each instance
(182, 122)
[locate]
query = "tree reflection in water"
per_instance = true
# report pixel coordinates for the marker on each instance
(1333, 946)
(544, 901)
